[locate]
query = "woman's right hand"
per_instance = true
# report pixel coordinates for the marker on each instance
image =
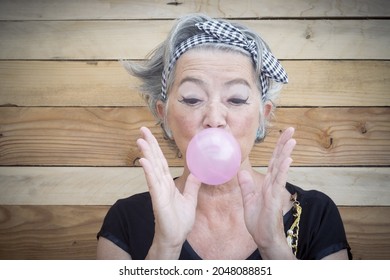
(174, 211)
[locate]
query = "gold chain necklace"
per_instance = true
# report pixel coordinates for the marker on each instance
(293, 232)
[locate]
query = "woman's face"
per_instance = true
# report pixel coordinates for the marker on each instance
(213, 88)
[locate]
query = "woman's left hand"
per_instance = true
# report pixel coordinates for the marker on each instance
(263, 204)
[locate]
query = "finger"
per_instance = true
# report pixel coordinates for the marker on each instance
(280, 179)
(283, 139)
(150, 177)
(155, 166)
(284, 151)
(153, 152)
(191, 189)
(148, 136)
(278, 172)
(148, 155)
(152, 141)
(288, 149)
(280, 164)
(247, 185)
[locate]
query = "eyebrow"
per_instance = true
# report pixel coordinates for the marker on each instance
(192, 80)
(238, 81)
(199, 82)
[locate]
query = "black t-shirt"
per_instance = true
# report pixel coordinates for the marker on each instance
(130, 225)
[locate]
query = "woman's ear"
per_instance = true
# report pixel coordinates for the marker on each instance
(160, 108)
(268, 106)
(161, 114)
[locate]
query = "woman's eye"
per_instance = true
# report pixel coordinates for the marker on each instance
(238, 101)
(190, 101)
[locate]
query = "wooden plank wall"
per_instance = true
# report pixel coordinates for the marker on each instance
(70, 114)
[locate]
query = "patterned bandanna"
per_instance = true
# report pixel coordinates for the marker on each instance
(223, 32)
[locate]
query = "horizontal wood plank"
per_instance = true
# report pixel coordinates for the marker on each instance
(368, 231)
(289, 39)
(103, 186)
(107, 136)
(106, 83)
(49, 232)
(148, 9)
(69, 232)
(65, 83)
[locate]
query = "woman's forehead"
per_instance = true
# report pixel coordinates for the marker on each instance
(209, 60)
(207, 69)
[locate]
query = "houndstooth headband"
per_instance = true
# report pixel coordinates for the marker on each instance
(223, 32)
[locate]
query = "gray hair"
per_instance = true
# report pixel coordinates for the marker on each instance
(150, 71)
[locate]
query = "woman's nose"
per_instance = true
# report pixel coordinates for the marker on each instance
(215, 116)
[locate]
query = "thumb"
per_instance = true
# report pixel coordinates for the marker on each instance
(247, 185)
(191, 189)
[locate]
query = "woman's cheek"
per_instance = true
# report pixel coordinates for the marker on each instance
(183, 129)
(246, 137)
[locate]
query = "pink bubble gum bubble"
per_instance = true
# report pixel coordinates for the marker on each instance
(213, 156)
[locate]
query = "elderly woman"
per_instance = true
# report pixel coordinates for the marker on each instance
(211, 73)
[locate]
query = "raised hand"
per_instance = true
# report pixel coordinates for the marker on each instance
(174, 211)
(263, 203)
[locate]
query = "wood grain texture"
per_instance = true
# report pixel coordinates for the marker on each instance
(107, 136)
(368, 231)
(106, 83)
(348, 186)
(148, 9)
(68, 151)
(49, 232)
(69, 232)
(289, 39)
(67, 83)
